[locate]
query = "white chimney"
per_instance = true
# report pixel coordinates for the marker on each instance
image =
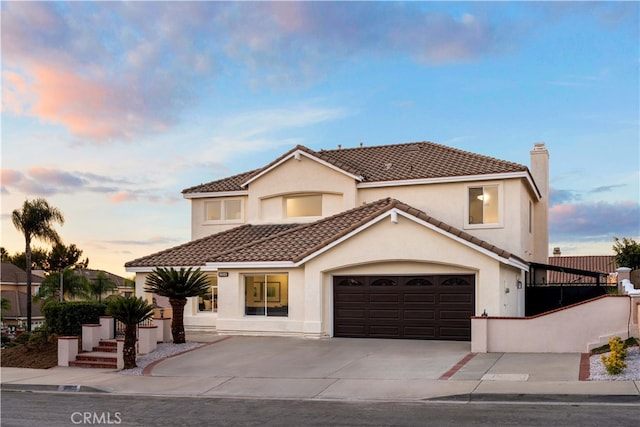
(540, 174)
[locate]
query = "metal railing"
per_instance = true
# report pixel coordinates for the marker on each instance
(119, 327)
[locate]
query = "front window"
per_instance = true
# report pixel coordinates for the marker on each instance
(484, 205)
(266, 295)
(223, 210)
(301, 206)
(208, 303)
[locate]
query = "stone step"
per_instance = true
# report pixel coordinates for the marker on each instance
(108, 343)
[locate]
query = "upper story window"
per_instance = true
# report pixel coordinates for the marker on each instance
(223, 210)
(484, 205)
(301, 206)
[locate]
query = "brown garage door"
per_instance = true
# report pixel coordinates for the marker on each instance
(410, 307)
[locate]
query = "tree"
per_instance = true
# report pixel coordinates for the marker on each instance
(177, 286)
(73, 286)
(100, 286)
(627, 253)
(38, 259)
(61, 256)
(35, 221)
(129, 311)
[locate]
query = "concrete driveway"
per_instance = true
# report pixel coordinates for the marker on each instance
(344, 358)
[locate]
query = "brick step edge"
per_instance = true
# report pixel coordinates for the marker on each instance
(90, 364)
(108, 349)
(87, 357)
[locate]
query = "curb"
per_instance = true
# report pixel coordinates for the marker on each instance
(540, 398)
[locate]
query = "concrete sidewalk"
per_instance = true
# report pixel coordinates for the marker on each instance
(340, 369)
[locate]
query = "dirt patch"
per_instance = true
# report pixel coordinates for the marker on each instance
(23, 356)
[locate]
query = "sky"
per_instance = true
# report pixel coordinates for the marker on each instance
(110, 110)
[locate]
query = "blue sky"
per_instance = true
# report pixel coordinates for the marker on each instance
(110, 109)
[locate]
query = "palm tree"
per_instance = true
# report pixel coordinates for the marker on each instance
(129, 311)
(177, 286)
(74, 286)
(100, 286)
(35, 220)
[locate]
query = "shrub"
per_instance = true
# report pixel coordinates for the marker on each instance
(614, 361)
(67, 318)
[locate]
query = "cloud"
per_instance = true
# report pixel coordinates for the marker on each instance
(110, 71)
(606, 188)
(558, 197)
(586, 221)
(152, 241)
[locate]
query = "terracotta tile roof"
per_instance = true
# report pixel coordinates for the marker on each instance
(604, 264)
(195, 253)
(416, 160)
(232, 183)
(13, 275)
(296, 244)
(290, 242)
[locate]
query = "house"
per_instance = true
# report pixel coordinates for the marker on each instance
(13, 287)
(124, 286)
(394, 241)
(570, 266)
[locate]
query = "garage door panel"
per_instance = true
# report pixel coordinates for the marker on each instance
(429, 298)
(388, 298)
(350, 314)
(384, 314)
(417, 307)
(419, 332)
(384, 331)
(348, 297)
(419, 314)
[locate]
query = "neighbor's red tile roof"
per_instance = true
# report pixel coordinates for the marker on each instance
(289, 242)
(597, 263)
(399, 162)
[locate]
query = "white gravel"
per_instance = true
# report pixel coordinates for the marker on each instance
(163, 351)
(631, 372)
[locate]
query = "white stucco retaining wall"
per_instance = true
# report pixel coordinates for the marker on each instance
(574, 329)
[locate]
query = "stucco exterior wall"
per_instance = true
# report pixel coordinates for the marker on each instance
(447, 202)
(298, 177)
(201, 228)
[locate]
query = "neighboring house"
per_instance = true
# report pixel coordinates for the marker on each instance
(124, 286)
(570, 267)
(394, 241)
(13, 287)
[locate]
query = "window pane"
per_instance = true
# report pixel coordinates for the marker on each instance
(490, 205)
(213, 211)
(254, 295)
(304, 206)
(476, 197)
(232, 209)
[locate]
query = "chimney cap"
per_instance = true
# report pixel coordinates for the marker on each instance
(556, 251)
(539, 146)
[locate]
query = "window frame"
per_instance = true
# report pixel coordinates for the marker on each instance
(223, 211)
(500, 190)
(263, 295)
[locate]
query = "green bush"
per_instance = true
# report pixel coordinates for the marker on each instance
(67, 318)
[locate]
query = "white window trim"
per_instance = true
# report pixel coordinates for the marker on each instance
(224, 221)
(500, 223)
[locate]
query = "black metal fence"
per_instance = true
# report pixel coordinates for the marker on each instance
(543, 297)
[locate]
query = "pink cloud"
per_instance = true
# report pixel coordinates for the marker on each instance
(123, 196)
